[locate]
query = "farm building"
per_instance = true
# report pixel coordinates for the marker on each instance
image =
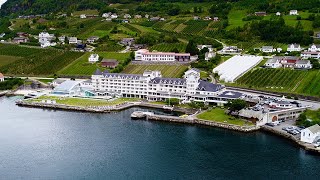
(268, 49)
(19, 40)
(262, 13)
(273, 63)
(127, 41)
(92, 39)
(230, 50)
(314, 48)
(109, 63)
(235, 67)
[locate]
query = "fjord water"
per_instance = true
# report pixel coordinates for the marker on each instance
(48, 144)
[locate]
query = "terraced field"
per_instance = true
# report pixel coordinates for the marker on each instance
(194, 27)
(283, 80)
(34, 61)
(4, 60)
(82, 67)
(169, 47)
(166, 70)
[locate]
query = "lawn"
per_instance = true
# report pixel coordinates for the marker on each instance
(169, 47)
(87, 12)
(174, 71)
(219, 115)
(235, 18)
(81, 66)
(4, 60)
(84, 101)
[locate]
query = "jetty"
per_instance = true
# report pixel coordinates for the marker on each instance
(190, 119)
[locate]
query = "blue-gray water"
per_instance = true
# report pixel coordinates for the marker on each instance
(46, 144)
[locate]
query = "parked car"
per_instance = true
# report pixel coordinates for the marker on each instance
(270, 124)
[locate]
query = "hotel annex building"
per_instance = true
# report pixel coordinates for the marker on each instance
(152, 86)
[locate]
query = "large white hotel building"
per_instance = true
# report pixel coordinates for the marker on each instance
(146, 55)
(152, 86)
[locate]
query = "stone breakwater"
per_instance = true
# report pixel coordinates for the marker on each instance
(192, 120)
(306, 146)
(98, 109)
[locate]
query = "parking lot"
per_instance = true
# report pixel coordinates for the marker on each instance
(290, 126)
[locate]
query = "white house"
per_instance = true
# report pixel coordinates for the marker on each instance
(1, 77)
(114, 16)
(314, 48)
(93, 58)
(310, 134)
(293, 12)
(73, 40)
(127, 16)
(106, 15)
(62, 38)
(83, 16)
(230, 50)
(44, 37)
(268, 49)
(303, 64)
(273, 63)
(278, 14)
(209, 55)
(200, 47)
(294, 47)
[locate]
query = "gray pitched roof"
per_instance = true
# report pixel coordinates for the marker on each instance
(315, 128)
(231, 94)
(97, 72)
(122, 76)
(207, 86)
(303, 62)
(174, 81)
(272, 61)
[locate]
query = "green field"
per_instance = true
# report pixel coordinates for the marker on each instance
(83, 101)
(35, 61)
(283, 80)
(235, 18)
(219, 115)
(82, 67)
(166, 70)
(4, 60)
(165, 47)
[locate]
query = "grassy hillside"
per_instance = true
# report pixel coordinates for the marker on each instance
(82, 67)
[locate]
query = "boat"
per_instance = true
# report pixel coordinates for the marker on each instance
(165, 107)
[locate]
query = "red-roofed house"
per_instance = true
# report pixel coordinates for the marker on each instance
(1, 77)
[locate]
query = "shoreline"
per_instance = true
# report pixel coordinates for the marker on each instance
(173, 119)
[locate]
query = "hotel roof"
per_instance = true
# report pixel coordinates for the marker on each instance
(231, 94)
(174, 81)
(207, 86)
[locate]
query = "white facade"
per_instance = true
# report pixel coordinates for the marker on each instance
(273, 63)
(83, 16)
(230, 50)
(150, 85)
(45, 37)
(294, 47)
(114, 16)
(73, 40)
(278, 14)
(307, 55)
(314, 48)
(268, 49)
(93, 58)
(145, 55)
(310, 134)
(303, 64)
(293, 12)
